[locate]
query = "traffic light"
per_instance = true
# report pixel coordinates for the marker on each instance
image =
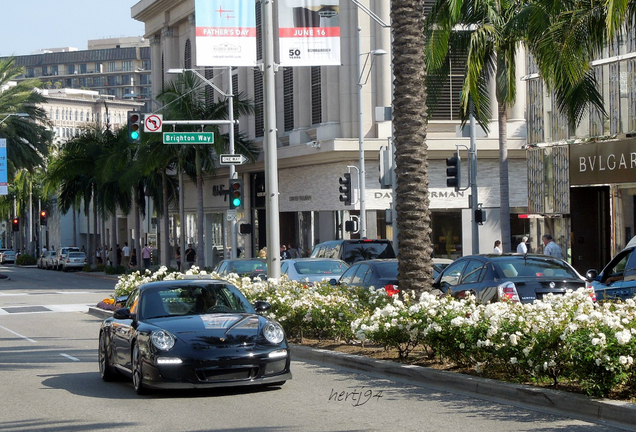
(134, 127)
(453, 172)
(245, 228)
(43, 216)
(237, 196)
(16, 224)
(345, 188)
(480, 216)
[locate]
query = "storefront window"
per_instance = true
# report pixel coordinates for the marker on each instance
(446, 238)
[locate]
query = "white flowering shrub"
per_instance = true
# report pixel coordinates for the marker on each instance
(559, 337)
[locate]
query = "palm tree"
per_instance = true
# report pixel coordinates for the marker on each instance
(27, 137)
(184, 99)
(415, 267)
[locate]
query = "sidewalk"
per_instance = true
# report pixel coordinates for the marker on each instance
(613, 413)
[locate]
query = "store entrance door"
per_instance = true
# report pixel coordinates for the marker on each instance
(591, 240)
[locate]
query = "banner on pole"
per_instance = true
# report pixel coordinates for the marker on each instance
(225, 36)
(309, 32)
(4, 185)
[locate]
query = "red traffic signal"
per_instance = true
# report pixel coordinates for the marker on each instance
(43, 217)
(16, 224)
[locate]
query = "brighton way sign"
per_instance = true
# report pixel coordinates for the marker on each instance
(188, 137)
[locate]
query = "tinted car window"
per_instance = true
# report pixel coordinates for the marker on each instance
(347, 276)
(362, 272)
(319, 267)
(617, 266)
(514, 267)
(473, 271)
(452, 273)
(387, 270)
(366, 251)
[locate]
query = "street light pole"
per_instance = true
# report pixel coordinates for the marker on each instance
(12, 114)
(362, 173)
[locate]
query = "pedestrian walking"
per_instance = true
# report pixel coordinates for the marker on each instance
(133, 260)
(125, 255)
(522, 247)
(550, 247)
(190, 255)
(177, 257)
(292, 251)
(146, 253)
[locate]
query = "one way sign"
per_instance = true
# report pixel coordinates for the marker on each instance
(232, 159)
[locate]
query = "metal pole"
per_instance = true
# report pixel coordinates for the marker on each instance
(473, 185)
(232, 167)
(362, 173)
(269, 147)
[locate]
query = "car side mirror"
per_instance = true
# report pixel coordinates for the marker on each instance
(591, 274)
(333, 281)
(123, 313)
(261, 306)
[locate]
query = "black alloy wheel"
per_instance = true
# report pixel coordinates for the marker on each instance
(137, 373)
(105, 369)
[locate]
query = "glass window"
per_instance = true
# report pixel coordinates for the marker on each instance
(347, 276)
(70, 69)
(54, 70)
(473, 271)
(453, 273)
(363, 271)
(83, 68)
(112, 67)
(288, 98)
(126, 66)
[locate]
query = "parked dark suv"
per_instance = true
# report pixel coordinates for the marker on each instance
(617, 281)
(351, 251)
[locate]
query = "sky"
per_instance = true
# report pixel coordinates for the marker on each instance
(30, 25)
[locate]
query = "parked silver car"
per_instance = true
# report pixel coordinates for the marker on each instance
(74, 261)
(7, 256)
(61, 255)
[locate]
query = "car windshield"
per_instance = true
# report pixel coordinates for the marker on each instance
(353, 252)
(320, 267)
(192, 299)
(517, 267)
(254, 266)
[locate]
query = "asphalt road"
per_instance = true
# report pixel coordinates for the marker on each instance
(49, 382)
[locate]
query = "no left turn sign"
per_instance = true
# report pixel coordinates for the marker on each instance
(152, 122)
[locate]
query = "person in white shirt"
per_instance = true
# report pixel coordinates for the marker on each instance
(522, 248)
(550, 247)
(497, 250)
(125, 252)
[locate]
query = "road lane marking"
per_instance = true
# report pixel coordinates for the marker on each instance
(21, 310)
(70, 357)
(18, 334)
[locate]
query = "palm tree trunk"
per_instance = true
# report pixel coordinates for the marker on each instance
(137, 242)
(113, 240)
(95, 237)
(415, 267)
(504, 186)
(74, 226)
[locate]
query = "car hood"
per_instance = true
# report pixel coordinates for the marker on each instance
(531, 289)
(218, 329)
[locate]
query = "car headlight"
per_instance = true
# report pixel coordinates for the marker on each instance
(273, 333)
(162, 339)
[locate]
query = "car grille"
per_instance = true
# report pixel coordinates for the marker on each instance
(235, 374)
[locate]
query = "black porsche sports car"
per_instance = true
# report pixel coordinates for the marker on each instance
(193, 333)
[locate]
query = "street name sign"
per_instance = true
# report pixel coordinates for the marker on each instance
(188, 137)
(232, 159)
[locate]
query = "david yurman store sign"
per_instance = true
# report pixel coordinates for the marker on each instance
(603, 162)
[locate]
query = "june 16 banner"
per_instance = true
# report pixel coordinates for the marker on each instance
(4, 187)
(225, 32)
(309, 32)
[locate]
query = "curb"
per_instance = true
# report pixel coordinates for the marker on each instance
(617, 413)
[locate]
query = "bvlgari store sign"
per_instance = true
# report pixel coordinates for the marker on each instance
(603, 162)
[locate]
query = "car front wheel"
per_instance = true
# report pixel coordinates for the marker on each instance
(105, 369)
(137, 372)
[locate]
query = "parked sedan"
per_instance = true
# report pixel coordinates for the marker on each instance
(379, 273)
(193, 333)
(515, 277)
(7, 256)
(312, 269)
(74, 261)
(617, 281)
(245, 267)
(46, 259)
